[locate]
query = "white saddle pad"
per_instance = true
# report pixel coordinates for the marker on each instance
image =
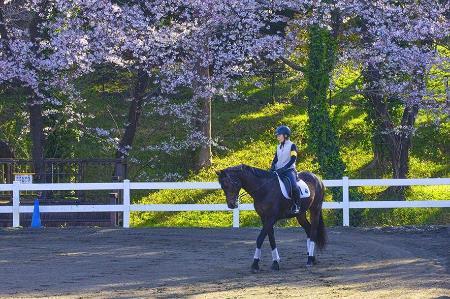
(301, 184)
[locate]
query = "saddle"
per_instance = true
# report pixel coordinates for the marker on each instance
(286, 187)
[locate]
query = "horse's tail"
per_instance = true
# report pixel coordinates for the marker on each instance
(321, 233)
(318, 200)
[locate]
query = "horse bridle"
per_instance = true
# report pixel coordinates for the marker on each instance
(236, 184)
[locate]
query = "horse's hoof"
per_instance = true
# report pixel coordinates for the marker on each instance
(255, 266)
(311, 261)
(275, 266)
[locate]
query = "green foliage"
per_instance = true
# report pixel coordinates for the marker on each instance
(13, 121)
(62, 139)
(323, 141)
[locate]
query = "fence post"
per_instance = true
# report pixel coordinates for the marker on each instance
(236, 217)
(16, 203)
(345, 202)
(126, 203)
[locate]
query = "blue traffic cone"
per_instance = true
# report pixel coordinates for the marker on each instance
(36, 219)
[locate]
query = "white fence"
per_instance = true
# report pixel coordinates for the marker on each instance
(16, 209)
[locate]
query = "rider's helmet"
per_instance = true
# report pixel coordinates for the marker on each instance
(283, 130)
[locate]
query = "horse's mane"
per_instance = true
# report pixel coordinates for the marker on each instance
(261, 173)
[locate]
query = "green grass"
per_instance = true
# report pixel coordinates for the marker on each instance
(245, 130)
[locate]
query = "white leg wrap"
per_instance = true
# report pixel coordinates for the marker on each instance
(308, 242)
(311, 248)
(257, 254)
(275, 256)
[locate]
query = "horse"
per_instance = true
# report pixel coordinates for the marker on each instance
(271, 206)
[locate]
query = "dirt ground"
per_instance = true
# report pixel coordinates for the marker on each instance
(404, 262)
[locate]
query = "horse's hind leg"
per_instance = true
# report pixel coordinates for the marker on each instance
(315, 218)
(303, 221)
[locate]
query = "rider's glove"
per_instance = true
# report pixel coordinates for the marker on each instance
(281, 170)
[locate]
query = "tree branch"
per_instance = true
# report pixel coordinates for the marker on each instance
(293, 65)
(3, 30)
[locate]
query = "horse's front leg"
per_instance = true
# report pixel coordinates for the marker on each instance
(275, 257)
(259, 241)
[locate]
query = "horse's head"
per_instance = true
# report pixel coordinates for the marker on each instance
(231, 185)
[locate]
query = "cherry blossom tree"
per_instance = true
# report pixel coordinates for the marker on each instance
(30, 62)
(64, 40)
(395, 46)
(398, 51)
(206, 47)
(225, 44)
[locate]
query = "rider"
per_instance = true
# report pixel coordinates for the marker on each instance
(284, 164)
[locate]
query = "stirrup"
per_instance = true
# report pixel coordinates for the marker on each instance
(295, 209)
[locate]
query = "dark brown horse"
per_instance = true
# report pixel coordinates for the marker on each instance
(271, 206)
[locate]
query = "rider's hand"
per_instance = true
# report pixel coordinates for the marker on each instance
(280, 171)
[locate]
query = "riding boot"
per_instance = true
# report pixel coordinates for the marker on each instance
(300, 205)
(296, 207)
(303, 205)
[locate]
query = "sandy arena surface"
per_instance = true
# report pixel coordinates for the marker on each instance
(403, 262)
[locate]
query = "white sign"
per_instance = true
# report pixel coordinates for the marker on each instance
(24, 178)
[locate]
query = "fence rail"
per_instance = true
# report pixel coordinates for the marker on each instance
(126, 207)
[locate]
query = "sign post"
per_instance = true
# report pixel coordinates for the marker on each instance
(24, 177)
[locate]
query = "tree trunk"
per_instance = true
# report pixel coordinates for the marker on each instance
(5, 150)
(35, 104)
(141, 83)
(204, 158)
(203, 123)
(37, 138)
(378, 115)
(402, 144)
